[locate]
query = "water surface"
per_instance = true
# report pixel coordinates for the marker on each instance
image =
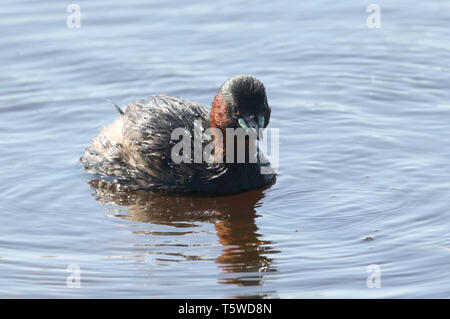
(364, 150)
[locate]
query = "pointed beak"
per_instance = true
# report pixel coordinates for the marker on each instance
(252, 122)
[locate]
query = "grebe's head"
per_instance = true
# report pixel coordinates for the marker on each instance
(241, 102)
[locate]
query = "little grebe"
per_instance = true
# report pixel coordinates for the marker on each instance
(135, 150)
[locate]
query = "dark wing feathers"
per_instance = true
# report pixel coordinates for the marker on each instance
(143, 158)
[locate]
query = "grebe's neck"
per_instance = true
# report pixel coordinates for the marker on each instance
(219, 118)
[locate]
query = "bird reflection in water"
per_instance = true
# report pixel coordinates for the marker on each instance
(244, 256)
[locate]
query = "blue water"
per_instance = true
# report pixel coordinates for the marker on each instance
(364, 171)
